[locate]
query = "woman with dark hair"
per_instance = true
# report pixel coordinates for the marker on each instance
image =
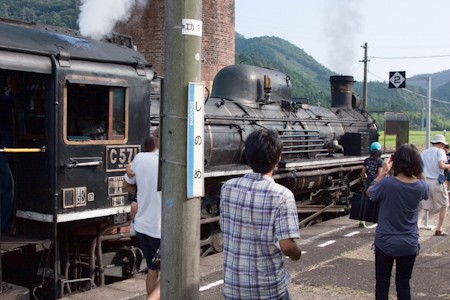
(397, 234)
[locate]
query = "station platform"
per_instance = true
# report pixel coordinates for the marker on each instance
(337, 264)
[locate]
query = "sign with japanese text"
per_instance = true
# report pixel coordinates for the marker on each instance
(195, 141)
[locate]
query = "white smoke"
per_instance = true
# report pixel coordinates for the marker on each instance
(98, 17)
(344, 24)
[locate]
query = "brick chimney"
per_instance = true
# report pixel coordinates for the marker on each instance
(146, 26)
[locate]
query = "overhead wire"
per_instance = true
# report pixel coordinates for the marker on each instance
(409, 57)
(410, 91)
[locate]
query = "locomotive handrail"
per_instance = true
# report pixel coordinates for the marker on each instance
(262, 119)
(306, 151)
(309, 164)
(23, 150)
(84, 164)
(306, 144)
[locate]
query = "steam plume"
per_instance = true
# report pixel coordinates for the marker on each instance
(98, 17)
(344, 25)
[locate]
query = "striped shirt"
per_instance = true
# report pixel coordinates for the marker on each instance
(255, 214)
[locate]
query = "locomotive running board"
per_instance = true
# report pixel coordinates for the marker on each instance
(313, 164)
(30, 215)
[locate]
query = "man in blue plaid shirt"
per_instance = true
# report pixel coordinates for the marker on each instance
(259, 221)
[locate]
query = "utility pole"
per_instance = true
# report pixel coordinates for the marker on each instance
(365, 61)
(428, 111)
(180, 228)
(422, 114)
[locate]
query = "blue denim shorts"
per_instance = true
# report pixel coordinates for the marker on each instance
(149, 247)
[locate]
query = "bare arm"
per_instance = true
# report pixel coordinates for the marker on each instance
(130, 188)
(129, 171)
(363, 173)
(443, 165)
(133, 211)
(290, 248)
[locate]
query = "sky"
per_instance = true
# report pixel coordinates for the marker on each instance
(401, 35)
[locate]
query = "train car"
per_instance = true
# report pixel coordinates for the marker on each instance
(74, 112)
(323, 148)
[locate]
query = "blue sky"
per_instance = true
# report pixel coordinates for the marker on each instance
(402, 35)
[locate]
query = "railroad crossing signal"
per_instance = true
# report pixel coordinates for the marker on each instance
(397, 79)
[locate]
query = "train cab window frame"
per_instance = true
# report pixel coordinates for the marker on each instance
(95, 110)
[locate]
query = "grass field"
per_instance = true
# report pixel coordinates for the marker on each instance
(418, 138)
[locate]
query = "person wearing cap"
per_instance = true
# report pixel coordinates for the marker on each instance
(372, 168)
(434, 160)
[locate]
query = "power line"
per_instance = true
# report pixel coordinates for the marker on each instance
(412, 92)
(379, 77)
(409, 57)
(423, 96)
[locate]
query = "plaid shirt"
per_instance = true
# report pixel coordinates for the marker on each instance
(256, 213)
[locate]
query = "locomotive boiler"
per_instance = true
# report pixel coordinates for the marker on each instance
(76, 111)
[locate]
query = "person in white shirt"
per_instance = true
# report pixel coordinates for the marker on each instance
(434, 160)
(143, 171)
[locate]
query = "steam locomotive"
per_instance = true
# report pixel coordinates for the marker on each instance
(323, 148)
(76, 111)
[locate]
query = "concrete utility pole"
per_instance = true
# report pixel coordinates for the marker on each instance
(180, 241)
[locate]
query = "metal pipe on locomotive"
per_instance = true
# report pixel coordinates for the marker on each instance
(85, 107)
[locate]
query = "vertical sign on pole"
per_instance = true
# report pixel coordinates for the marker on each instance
(195, 147)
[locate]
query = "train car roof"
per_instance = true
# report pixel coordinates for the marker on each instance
(47, 40)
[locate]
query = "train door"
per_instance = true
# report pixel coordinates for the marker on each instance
(94, 120)
(24, 108)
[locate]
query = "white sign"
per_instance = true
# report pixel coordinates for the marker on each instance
(195, 146)
(192, 27)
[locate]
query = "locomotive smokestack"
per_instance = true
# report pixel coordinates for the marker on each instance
(341, 91)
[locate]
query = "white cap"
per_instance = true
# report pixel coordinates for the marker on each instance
(439, 138)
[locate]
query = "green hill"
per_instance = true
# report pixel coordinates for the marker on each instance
(310, 80)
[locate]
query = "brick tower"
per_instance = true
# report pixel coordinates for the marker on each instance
(146, 26)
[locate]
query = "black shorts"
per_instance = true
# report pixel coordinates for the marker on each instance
(149, 245)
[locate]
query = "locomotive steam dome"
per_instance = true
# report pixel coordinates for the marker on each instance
(341, 91)
(246, 83)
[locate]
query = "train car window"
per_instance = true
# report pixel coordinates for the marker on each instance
(94, 113)
(118, 126)
(23, 105)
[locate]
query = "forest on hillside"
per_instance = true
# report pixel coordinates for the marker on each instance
(53, 12)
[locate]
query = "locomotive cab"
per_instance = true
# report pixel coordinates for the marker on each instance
(74, 113)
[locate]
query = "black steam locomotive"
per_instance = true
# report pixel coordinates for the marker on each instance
(76, 111)
(323, 148)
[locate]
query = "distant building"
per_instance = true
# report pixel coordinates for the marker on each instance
(218, 42)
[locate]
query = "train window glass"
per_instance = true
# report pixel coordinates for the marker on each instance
(23, 106)
(118, 126)
(95, 112)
